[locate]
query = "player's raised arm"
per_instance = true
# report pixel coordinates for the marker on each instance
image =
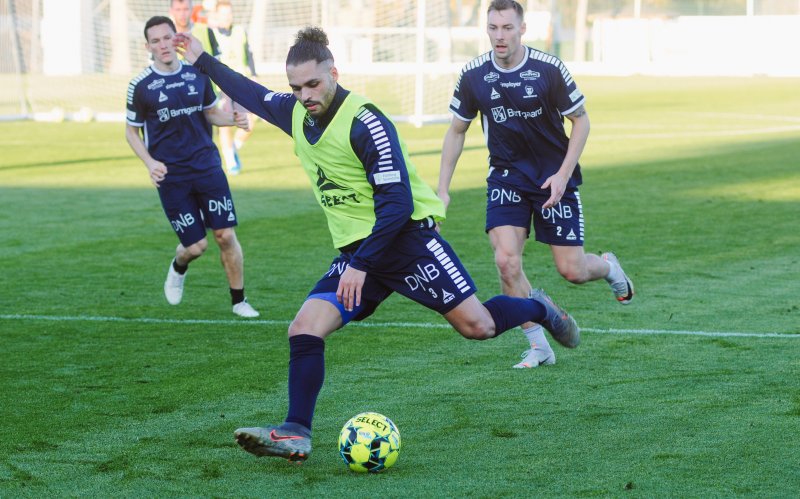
(274, 107)
(188, 46)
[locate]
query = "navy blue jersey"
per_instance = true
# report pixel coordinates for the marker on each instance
(522, 112)
(169, 109)
(375, 149)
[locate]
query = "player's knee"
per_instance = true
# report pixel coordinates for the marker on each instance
(305, 324)
(296, 327)
(225, 237)
(477, 330)
(509, 266)
(197, 249)
(574, 275)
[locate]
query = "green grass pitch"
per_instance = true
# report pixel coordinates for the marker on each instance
(106, 390)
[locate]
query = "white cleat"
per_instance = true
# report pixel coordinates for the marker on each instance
(622, 287)
(244, 309)
(534, 357)
(173, 286)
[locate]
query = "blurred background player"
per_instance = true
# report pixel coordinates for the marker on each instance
(381, 216)
(523, 96)
(234, 51)
(170, 110)
(180, 11)
(204, 12)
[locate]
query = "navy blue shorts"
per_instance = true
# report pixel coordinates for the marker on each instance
(196, 204)
(561, 225)
(420, 265)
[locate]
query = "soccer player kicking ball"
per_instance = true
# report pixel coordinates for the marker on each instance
(381, 217)
(173, 106)
(523, 95)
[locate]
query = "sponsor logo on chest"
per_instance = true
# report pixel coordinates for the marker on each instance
(156, 84)
(501, 114)
(491, 77)
(529, 75)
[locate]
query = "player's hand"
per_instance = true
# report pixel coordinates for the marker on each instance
(350, 285)
(158, 171)
(241, 120)
(557, 185)
(188, 46)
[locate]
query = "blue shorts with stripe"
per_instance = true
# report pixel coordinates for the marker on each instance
(194, 205)
(420, 265)
(561, 225)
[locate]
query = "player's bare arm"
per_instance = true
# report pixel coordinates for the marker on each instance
(218, 117)
(581, 111)
(557, 183)
(451, 150)
(577, 140)
(155, 168)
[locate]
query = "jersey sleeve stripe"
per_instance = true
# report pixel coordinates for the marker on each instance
(474, 63)
(381, 140)
(555, 61)
(135, 81)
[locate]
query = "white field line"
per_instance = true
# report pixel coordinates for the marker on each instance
(373, 325)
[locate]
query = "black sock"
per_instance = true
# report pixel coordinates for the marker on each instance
(306, 374)
(237, 296)
(509, 312)
(181, 269)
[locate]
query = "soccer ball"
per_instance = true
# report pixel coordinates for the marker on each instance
(369, 442)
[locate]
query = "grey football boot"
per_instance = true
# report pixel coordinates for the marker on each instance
(559, 323)
(274, 441)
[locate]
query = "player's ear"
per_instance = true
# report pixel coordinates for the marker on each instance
(334, 73)
(522, 28)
